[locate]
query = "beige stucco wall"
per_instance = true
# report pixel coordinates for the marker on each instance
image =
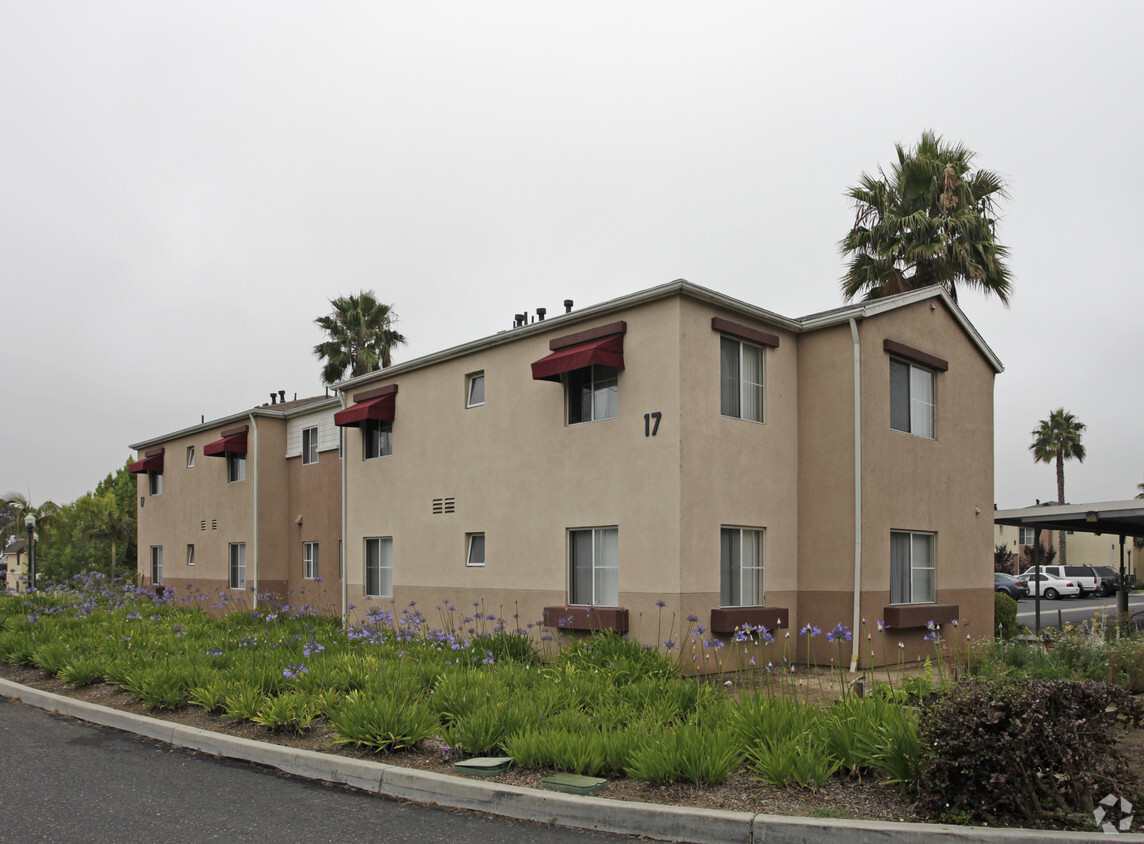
(522, 476)
(942, 485)
(315, 499)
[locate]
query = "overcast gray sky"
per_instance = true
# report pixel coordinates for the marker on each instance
(184, 186)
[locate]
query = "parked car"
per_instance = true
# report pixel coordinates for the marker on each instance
(1109, 580)
(1052, 587)
(1008, 584)
(1084, 577)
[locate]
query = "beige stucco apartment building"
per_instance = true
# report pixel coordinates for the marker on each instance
(672, 445)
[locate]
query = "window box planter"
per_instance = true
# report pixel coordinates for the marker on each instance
(903, 616)
(730, 619)
(580, 618)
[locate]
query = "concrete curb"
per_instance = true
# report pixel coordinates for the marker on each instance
(669, 823)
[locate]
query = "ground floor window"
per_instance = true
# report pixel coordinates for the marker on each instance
(379, 567)
(911, 568)
(594, 566)
(476, 554)
(310, 560)
(741, 567)
(238, 565)
(190, 555)
(156, 563)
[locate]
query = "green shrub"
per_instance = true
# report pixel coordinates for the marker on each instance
(698, 755)
(1023, 753)
(383, 722)
(290, 711)
(82, 671)
(1005, 616)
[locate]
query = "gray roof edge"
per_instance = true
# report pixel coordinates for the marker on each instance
(266, 411)
(679, 286)
(874, 307)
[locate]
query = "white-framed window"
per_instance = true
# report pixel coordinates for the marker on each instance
(1027, 536)
(235, 467)
(155, 483)
(190, 457)
(379, 567)
(476, 549)
(309, 445)
(741, 376)
(741, 567)
(912, 579)
(156, 563)
(310, 560)
(592, 394)
(911, 398)
(238, 565)
(190, 555)
(475, 394)
(594, 566)
(376, 438)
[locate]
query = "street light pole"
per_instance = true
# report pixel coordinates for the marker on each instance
(30, 527)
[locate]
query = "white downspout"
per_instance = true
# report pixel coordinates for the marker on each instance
(855, 628)
(342, 555)
(254, 425)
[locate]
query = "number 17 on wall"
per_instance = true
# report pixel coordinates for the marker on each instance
(651, 423)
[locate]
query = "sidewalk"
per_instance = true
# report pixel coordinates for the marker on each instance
(668, 823)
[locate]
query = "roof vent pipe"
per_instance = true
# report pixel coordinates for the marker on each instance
(273, 396)
(567, 306)
(282, 396)
(519, 320)
(540, 312)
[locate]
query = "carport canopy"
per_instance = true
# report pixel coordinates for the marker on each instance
(1116, 518)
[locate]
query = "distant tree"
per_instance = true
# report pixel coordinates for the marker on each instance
(101, 517)
(1003, 559)
(1057, 439)
(1138, 542)
(928, 221)
(362, 334)
(17, 506)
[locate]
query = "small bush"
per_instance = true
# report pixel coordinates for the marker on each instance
(82, 671)
(1023, 753)
(1005, 616)
(383, 722)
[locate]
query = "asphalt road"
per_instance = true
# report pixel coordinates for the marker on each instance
(1073, 610)
(68, 781)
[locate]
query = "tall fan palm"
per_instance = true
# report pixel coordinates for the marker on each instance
(929, 221)
(362, 333)
(1057, 439)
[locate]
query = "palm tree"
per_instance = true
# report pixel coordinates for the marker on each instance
(1058, 439)
(18, 506)
(929, 221)
(362, 333)
(100, 517)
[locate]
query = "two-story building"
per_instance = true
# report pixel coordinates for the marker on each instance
(671, 445)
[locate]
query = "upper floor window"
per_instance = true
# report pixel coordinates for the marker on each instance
(235, 466)
(742, 368)
(190, 457)
(911, 568)
(740, 379)
(310, 445)
(594, 566)
(476, 390)
(155, 482)
(379, 567)
(376, 438)
(593, 394)
(741, 567)
(911, 398)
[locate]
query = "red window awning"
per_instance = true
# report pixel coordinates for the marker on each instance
(152, 461)
(379, 404)
(605, 351)
(232, 442)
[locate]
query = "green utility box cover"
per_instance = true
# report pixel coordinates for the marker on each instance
(483, 766)
(574, 783)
